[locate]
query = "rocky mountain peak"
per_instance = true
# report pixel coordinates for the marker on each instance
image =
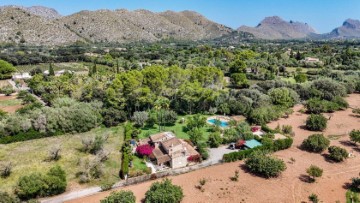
(272, 20)
(351, 24)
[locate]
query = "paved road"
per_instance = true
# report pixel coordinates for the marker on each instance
(73, 195)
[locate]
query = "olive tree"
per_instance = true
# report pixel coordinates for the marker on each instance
(316, 143)
(120, 197)
(260, 162)
(355, 136)
(338, 154)
(283, 96)
(140, 118)
(164, 191)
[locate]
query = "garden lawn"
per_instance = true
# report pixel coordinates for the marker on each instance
(138, 164)
(30, 156)
(179, 129)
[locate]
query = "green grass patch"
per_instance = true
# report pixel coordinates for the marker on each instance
(10, 102)
(179, 129)
(139, 164)
(290, 79)
(30, 156)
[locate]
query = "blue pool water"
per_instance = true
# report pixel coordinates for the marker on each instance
(223, 123)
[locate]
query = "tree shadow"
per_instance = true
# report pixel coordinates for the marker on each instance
(244, 168)
(185, 129)
(346, 186)
(356, 149)
(347, 143)
(355, 116)
(148, 128)
(306, 179)
(328, 159)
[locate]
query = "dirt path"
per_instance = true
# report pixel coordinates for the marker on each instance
(289, 187)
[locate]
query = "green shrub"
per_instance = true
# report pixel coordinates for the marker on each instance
(316, 122)
(120, 197)
(316, 143)
(6, 70)
(287, 129)
(7, 90)
(355, 184)
(41, 185)
(6, 198)
(282, 144)
(355, 136)
(235, 156)
(338, 154)
(261, 163)
(214, 140)
(314, 198)
(164, 191)
(201, 148)
(314, 172)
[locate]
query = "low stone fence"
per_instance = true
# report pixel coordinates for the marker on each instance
(161, 174)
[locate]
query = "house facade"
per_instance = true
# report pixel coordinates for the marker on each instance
(169, 150)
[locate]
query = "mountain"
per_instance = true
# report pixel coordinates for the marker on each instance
(349, 29)
(42, 11)
(44, 26)
(20, 26)
(142, 25)
(276, 28)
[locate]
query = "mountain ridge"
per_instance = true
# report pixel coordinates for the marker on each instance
(38, 25)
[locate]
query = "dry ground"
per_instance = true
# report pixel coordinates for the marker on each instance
(290, 186)
(31, 156)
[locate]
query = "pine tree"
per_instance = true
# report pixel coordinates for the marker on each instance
(51, 70)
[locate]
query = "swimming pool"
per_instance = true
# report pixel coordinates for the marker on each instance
(223, 123)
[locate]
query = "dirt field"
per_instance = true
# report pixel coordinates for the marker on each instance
(290, 186)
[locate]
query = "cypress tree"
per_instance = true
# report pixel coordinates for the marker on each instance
(117, 66)
(94, 70)
(51, 70)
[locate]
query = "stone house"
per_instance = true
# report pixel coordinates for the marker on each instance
(169, 150)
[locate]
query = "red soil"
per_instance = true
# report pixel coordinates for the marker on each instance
(289, 187)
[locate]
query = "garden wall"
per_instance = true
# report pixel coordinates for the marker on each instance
(170, 172)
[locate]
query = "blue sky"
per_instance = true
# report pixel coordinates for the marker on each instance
(323, 15)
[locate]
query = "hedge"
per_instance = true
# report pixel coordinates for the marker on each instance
(276, 145)
(24, 136)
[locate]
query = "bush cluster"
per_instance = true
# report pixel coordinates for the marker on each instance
(41, 185)
(269, 146)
